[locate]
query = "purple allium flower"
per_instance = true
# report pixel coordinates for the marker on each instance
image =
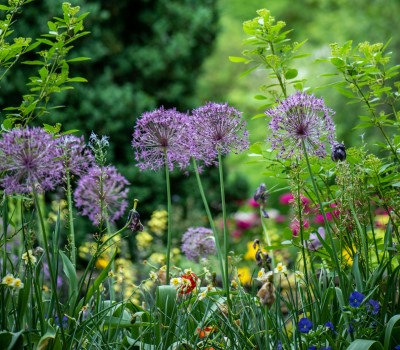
(305, 325)
(314, 242)
(74, 154)
(159, 134)
(217, 127)
(102, 186)
(373, 306)
(197, 243)
(29, 159)
(356, 298)
(301, 118)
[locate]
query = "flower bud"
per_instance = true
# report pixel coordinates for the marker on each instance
(338, 152)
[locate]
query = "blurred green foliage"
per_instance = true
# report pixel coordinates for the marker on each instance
(144, 54)
(322, 22)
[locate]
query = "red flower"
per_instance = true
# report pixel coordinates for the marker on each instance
(188, 284)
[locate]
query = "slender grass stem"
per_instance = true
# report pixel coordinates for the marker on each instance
(71, 220)
(52, 273)
(225, 232)
(169, 219)
(328, 229)
(210, 220)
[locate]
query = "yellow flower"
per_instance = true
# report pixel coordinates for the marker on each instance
(347, 259)
(203, 294)
(251, 252)
(143, 240)
(244, 275)
(280, 268)
(8, 280)
(28, 257)
(102, 262)
(158, 222)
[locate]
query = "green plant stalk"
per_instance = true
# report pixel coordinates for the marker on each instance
(4, 270)
(210, 220)
(52, 275)
(71, 219)
(328, 230)
(267, 239)
(226, 238)
(169, 232)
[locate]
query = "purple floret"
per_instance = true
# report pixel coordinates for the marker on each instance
(198, 243)
(161, 137)
(102, 188)
(217, 127)
(30, 160)
(75, 156)
(297, 119)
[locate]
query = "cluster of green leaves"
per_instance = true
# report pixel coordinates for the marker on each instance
(53, 74)
(273, 52)
(367, 77)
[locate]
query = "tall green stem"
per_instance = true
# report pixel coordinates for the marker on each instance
(226, 239)
(169, 205)
(210, 220)
(49, 261)
(71, 219)
(328, 229)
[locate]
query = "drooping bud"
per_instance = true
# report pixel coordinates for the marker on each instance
(338, 152)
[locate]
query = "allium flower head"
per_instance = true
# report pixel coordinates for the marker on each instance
(305, 325)
(355, 299)
(74, 154)
(159, 134)
(102, 186)
(301, 118)
(29, 159)
(217, 127)
(197, 243)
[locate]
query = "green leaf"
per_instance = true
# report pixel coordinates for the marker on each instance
(167, 308)
(50, 340)
(238, 59)
(78, 59)
(34, 63)
(363, 344)
(70, 272)
(260, 97)
(11, 341)
(291, 73)
(77, 80)
(392, 333)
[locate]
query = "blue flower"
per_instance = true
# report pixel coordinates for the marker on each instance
(356, 298)
(312, 347)
(329, 325)
(350, 329)
(397, 347)
(373, 306)
(279, 345)
(305, 325)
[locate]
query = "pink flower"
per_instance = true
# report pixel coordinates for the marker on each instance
(295, 226)
(286, 198)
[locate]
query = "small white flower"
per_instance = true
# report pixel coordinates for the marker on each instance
(153, 276)
(280, 268)
(28, 257)
(203, 294)
(176, 281)
(263, 276)
(8, 280)
(18, 284)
